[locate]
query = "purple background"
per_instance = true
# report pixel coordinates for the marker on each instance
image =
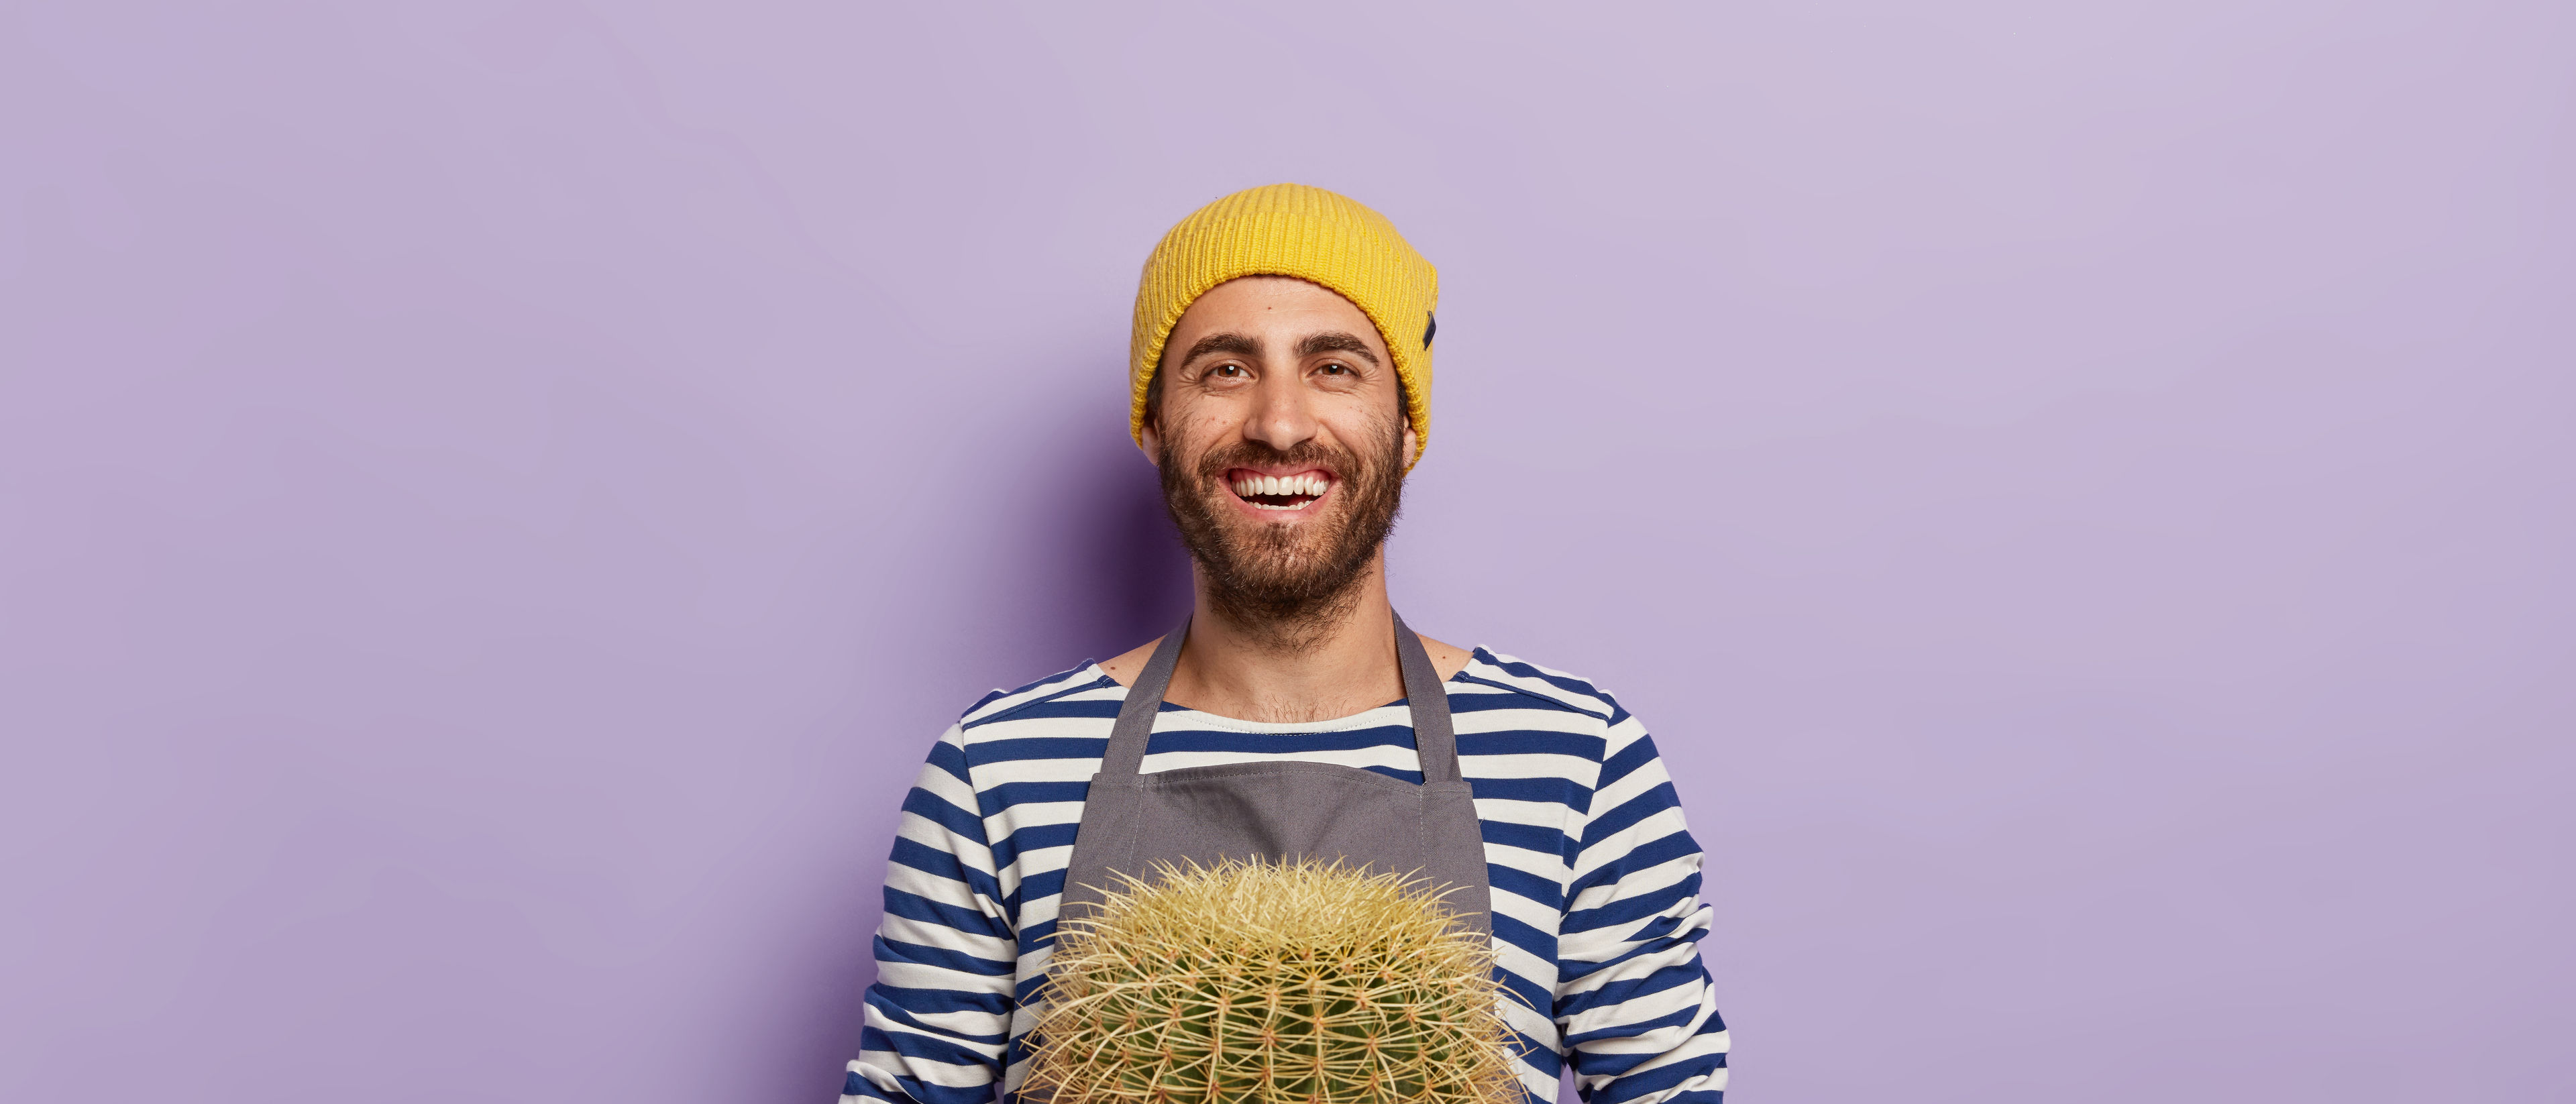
(497, 498)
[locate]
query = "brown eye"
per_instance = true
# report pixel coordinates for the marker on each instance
(1337, 369)
(1227, 370)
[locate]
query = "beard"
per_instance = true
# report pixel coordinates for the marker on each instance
(1287, 583)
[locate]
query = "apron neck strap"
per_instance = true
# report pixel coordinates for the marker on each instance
(1144, 699)
(1435, 742)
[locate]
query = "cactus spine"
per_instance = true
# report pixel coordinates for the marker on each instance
(1272, 983)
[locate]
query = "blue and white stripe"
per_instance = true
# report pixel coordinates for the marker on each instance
(1596, 908)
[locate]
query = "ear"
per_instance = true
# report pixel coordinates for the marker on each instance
(1151, 444)
(1412, 444)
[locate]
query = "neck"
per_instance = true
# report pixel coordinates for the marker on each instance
(1328, 663)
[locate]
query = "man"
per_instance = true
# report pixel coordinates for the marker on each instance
(1281, 380)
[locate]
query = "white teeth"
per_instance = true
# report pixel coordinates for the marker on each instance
(1310, 485)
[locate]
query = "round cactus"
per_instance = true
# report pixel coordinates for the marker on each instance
(1272, 983)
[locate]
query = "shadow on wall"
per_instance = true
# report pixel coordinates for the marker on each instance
(1066, 556)
(1130, 578)
(1084, 563)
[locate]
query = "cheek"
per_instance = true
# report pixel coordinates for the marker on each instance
(1367, 428)
(1191, 434)
(1202, 424)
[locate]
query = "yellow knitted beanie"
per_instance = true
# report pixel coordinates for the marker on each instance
(1313, 235)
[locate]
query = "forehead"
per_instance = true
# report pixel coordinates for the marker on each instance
(1273, 305)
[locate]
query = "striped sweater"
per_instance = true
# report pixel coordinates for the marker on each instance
(1596, 908)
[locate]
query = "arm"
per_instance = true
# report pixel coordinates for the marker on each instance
(938, 1016)
(1633, 1000)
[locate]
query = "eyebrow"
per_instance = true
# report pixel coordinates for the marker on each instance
(1231, 343)
(1336, 343)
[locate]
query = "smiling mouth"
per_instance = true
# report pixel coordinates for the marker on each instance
(1279, 492)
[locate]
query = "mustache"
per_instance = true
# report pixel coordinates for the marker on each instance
(1253, 454)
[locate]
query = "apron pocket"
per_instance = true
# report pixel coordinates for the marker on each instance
(1283, 811)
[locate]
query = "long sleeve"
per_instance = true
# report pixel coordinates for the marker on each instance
(1632, 998)
(938, 1016)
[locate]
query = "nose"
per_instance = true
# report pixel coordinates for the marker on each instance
(1283, 412)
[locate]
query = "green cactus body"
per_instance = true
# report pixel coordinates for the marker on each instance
(1272, 983)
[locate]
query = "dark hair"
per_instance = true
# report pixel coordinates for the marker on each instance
(1154, 396)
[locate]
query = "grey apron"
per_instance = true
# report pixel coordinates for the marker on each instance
(1283, 810)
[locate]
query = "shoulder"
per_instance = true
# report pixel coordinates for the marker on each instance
(1530, 685)
(1446, 658)
(1124, 666)
(1080, 692)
